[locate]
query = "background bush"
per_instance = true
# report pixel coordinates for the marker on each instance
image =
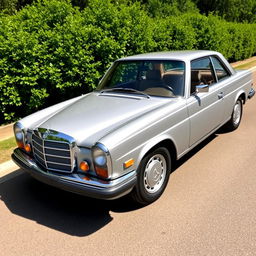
(51, 51)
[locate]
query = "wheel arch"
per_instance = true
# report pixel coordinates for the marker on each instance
(241, 94)
(167, 143)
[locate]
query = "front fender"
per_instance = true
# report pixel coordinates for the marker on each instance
(152, 143)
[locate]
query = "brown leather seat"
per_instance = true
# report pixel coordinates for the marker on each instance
(206, 77)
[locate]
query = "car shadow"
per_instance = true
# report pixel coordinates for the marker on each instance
(60, 210)
(63, 211)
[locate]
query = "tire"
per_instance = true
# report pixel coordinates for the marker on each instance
(152, 177)
(236, 116)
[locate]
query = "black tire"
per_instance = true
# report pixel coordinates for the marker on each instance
(154, 168)
(236, 116)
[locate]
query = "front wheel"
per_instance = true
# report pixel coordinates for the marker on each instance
(153, 175)
(236, 116)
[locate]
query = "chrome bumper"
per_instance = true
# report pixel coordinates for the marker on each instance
(91, 187)
(251, 93)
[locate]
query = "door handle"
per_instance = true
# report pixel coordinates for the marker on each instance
(220, 95)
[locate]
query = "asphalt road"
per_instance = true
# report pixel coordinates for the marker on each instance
(208, 208)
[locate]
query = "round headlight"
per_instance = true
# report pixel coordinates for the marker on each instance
(99, 157)
(102, 161)
(19, 134)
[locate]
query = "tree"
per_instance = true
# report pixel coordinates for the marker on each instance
(231, 10)
(8, 6)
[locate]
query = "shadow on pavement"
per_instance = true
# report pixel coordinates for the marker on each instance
(63, 211)
(60, 210)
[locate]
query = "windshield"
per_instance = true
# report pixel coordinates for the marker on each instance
(156, 78)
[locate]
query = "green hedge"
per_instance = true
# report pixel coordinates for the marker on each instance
(51, 51)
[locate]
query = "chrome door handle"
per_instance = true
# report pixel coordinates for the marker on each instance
(220, 95)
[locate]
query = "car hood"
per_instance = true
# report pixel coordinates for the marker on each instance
(95, 115)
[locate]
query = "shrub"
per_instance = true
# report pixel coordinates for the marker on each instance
(51, 51)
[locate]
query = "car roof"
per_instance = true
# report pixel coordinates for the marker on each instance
(173, 55)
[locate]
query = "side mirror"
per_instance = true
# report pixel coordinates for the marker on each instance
(202, 88)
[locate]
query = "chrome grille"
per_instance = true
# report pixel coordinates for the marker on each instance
(51, 154)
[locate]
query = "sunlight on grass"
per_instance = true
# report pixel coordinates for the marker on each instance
(246, 65)
(6, 149)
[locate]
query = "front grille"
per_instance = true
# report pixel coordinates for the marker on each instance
(51, 154)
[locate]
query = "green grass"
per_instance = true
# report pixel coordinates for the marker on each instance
(6, 148)
(246, 65)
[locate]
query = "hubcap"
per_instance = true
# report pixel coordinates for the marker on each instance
(237, 113)
(155, 173)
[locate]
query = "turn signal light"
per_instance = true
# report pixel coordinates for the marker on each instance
(101, 172)
(27, 148)
(128, 163)
(84, 166)
(20, 144)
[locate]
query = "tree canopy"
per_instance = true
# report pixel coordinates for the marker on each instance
(231, 10)
(52, 50)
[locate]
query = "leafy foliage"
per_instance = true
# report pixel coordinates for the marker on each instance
(8, 6)
(51, 51)
(231, 10)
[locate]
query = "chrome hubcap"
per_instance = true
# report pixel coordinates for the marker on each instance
(237, 113)
(155, 173)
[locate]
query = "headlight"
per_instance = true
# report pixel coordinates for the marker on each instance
(99, 157)
(101, 160)
(19, 134)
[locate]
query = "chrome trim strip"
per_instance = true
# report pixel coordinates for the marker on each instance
(60, 137)
(251, 93)
(60, 149)
(74, 178)
(43, 135)
(44, 155)
(34, 141)
(40, 157)
(58, 141)
(59, 170)
(38, 150)
(58, 163)
(58, 156)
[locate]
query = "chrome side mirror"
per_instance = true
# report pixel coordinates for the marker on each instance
(202, 88)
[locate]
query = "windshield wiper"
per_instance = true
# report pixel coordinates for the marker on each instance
(130, 90)
(122, 89)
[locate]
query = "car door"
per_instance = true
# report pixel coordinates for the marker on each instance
(205, 108)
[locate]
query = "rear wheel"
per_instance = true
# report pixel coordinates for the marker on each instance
(153, 175)
(236, 116)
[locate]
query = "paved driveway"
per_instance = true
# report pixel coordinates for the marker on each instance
(208, 208)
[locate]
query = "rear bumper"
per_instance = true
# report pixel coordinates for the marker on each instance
(90, 187)
(251, 93)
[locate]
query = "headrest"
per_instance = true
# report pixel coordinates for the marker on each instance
(153, 74)
(195, 75)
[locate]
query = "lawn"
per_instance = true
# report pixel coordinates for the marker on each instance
(246, 65)
(6, 148)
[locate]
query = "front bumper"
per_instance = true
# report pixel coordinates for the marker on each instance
(251, 93)
(91, 187)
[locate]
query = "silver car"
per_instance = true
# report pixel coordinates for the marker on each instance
(148, 111)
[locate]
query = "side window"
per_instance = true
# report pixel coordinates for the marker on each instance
(201, 73)
(220, 69)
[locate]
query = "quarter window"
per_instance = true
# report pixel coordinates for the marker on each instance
(201, 73)
(220, 69)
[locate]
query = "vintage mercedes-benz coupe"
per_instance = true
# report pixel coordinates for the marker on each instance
(147, 111)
